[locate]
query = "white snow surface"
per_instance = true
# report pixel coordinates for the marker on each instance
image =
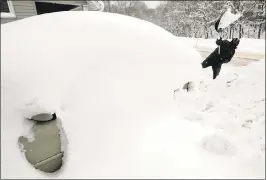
(111, 80)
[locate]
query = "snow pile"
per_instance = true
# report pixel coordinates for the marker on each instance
(96, 47)
(103, 74)
(234, 105)
(111, 80)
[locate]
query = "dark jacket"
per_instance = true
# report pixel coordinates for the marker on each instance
(218, 57)
(227, 50)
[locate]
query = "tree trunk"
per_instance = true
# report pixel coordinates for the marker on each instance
(233, 33)
(240, 31)
(248, 30)
(227, 33)
(230, 32)
(109, 6)
(254, 31)
(259, 32)
(211, 33)
(206, 32)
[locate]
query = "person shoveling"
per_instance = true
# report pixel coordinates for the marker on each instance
(226, 49)
(216, 58)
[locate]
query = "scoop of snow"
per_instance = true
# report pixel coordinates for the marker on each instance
(228, 18)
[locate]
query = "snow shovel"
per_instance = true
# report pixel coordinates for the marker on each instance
(224, 21)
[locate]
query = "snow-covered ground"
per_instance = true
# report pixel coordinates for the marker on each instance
(111, 79)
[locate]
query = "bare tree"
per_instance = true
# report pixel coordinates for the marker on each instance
(197, 18)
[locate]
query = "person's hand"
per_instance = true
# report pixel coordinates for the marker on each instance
(219, 41)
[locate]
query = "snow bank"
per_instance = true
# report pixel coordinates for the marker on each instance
(234, 104)
(111, 80)
(103, 74)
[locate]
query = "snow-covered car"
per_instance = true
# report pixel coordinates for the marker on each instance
(116, 85)
(104, 75)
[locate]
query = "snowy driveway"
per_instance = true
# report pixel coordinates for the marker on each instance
(239, 59)
(249, 50)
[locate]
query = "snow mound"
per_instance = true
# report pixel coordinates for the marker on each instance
(111, 80)
(219, 145)
(234, 104)
(105, 75)
(72, 44)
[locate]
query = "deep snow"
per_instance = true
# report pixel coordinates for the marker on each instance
(111, 79)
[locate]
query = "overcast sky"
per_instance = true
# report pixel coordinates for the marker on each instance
(152, 4)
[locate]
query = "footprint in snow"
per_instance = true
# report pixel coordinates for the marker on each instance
(219, 145)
